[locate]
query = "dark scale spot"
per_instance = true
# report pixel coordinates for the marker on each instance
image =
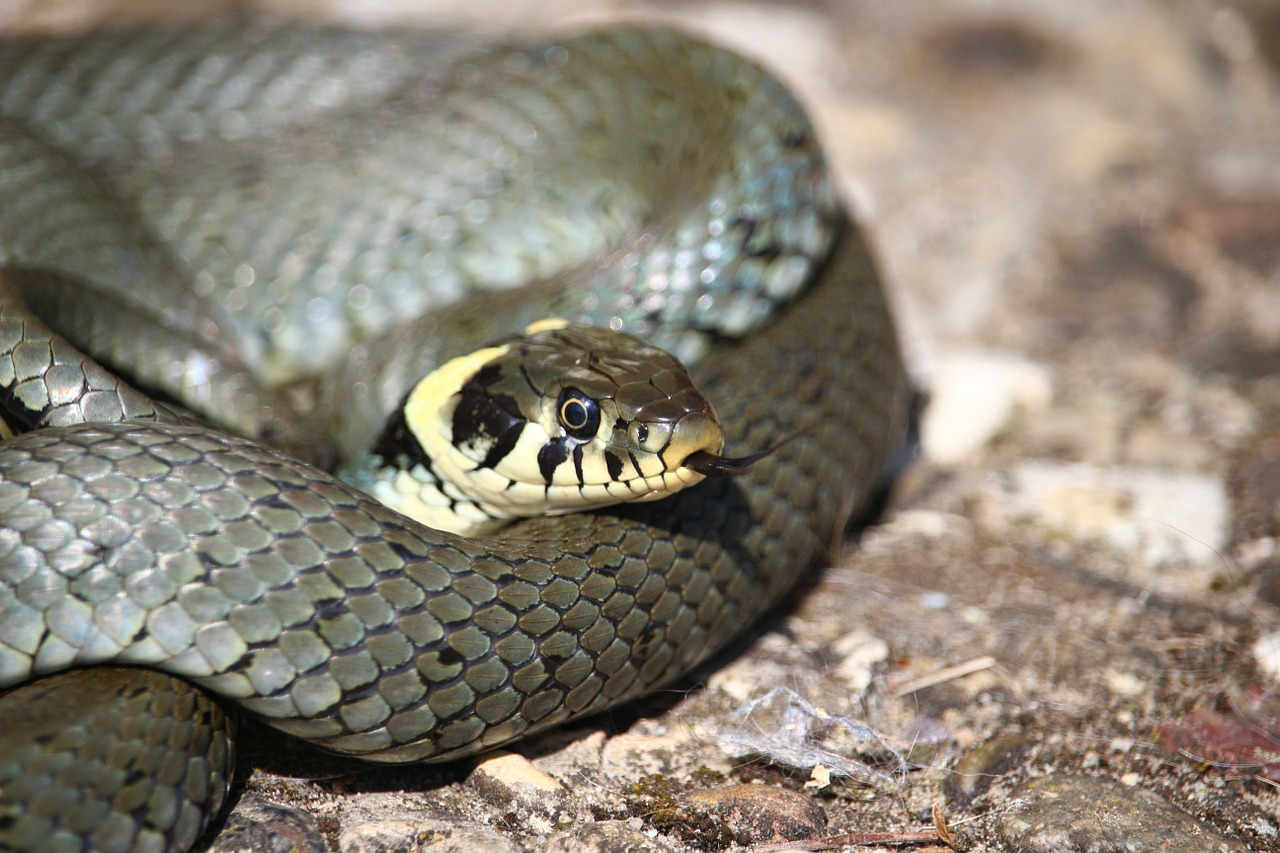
(649, 641)
(402, 551)
(552, 456)
(751, 244)
(765, 252)
(136, 689)
(449, 656)
(614, 463)
(276, 500)
(207, 562)
(245, 660)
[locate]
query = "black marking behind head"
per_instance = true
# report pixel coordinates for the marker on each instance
(487, 375)
(482, 420)
(397, 445)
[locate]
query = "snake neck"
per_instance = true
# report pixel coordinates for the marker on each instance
(414, 467)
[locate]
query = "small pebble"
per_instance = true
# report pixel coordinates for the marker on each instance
(511, 782)
(510, 774)
(974, 773)
(257, 824)
(1065, 812)
(762, 813)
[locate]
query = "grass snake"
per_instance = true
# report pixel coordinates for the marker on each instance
(278, 230)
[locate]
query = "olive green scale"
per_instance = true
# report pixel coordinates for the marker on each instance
(287, 595)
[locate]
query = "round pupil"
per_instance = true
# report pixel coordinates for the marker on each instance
(579, 414)
(574, 414)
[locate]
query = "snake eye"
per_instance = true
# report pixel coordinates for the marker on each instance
(578, 413)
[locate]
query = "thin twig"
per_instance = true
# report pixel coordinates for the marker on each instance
(939, 834)
(947, 674)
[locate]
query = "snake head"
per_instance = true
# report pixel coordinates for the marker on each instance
(575, 417)
(560, 419)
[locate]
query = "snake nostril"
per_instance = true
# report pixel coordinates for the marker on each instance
(650, 437)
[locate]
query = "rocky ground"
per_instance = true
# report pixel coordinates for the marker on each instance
(1063, 630)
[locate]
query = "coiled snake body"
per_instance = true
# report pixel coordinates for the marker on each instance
(266, 208)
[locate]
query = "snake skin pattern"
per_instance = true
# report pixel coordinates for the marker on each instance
(639, 179)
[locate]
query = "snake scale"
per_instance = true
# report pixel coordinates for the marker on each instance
(278, 230)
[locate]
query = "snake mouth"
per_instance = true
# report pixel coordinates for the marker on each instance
(714, 465)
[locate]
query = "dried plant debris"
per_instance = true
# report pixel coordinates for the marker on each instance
(784, 728)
